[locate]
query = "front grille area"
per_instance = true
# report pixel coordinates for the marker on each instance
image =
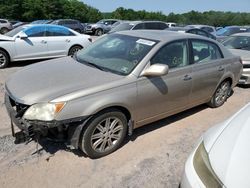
(18, 107)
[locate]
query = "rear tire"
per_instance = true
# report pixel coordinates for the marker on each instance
(74, 49)
(104, 133)
(4, 59)
(221, 94)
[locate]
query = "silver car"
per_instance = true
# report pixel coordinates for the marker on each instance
(239, 44)
(121, 82)
(5, 26)
(40, 41)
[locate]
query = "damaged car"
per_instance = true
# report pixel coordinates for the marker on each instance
(122, 81)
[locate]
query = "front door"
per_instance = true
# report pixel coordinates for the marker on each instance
(159, 97)
(33, 47)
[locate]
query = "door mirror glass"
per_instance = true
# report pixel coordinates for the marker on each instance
(156, 70)
(22, 35)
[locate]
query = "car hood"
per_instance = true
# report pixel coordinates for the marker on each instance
(230, 155)
(49, 80)
(244, 54)
(5, 38)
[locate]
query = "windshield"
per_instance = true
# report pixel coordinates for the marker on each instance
(238, 42)
(116, 53)
(13, 32)
(122, 27)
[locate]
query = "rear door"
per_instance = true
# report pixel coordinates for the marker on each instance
(33, 47)
(208, 69)
(165, 95)
(59, 40)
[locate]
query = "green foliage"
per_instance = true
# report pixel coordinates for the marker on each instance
(29, 10)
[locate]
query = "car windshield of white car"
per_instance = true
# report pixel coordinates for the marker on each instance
(116, 53)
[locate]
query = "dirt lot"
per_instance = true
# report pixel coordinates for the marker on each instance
(153, 157)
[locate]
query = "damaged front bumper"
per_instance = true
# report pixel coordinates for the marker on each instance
(65, 130)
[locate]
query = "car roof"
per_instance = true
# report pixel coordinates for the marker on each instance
(200, 26)
(161, 35)
(47, 25)
(141, 21)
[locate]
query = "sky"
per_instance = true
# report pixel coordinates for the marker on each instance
(176, 6)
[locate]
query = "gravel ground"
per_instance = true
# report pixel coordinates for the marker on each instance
(153, 157)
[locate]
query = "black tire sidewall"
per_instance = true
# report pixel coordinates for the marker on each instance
(85, 141)
(97, 32)
(7, 59)
(213, 102)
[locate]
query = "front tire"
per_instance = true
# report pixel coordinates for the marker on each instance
(4, 59)
(104, 134)
(4, 30)
(98, 32)
(221, 94)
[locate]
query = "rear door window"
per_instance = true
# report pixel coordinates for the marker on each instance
(205, 51)
(58, 31)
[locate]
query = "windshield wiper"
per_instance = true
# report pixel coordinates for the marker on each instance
(90, 64)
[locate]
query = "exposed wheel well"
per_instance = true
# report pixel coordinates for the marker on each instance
(120, 108)
(6, 52)
(75, 45)
(228, 79)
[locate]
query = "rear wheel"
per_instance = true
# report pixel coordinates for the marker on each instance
(221, 94)
(4, 59)
(98, 32)
(73, 50)
(104, 134)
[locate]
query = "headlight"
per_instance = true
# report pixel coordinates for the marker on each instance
(204, 170)
(43, 112)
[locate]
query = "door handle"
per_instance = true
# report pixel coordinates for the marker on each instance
(187, 77)
(67, 40)
(221, 68)
(43, 41)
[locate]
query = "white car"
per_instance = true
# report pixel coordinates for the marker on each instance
(222, 156)
(40, 42)
(239, 44)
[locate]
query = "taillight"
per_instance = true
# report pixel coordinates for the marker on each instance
(90, 39)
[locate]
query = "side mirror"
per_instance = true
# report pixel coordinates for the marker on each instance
(156, 70)
(22, 35)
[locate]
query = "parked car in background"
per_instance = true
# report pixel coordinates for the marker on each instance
(207, 28)
(72, 24)
(40, 42)
(171, 24)
(101, 27)
(139, 77)
(195, 31)
(19, 24)
(139, 25)
(5, 26)
(239, 44)
(221, 157)
(223, 33)
(41, 22)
